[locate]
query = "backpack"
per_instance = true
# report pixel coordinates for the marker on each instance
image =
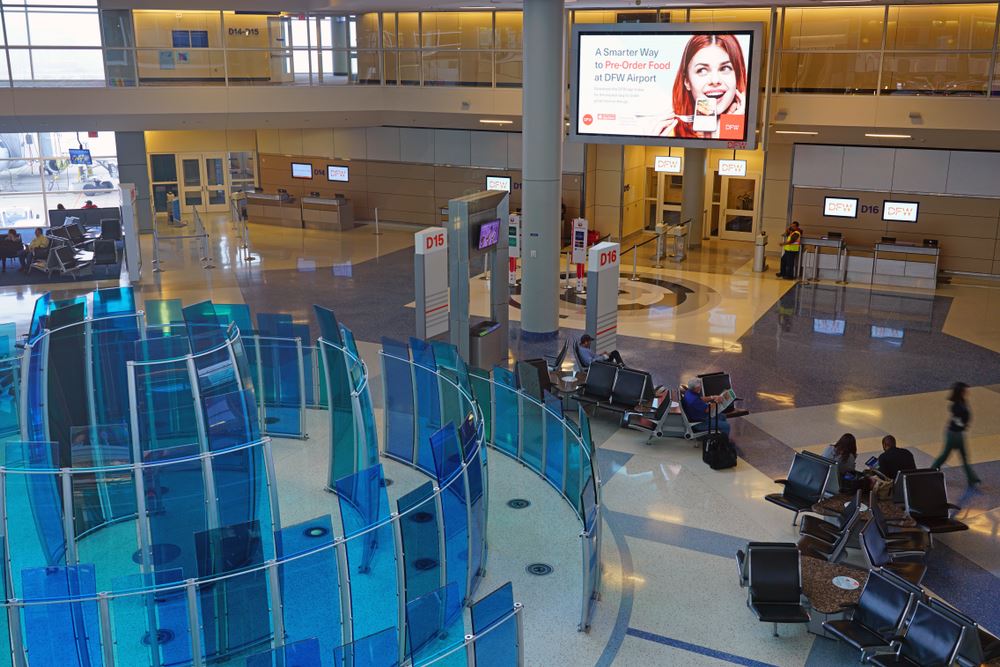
(716, 449)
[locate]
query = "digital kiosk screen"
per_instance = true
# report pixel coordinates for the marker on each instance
(489, 234)
(302, 170)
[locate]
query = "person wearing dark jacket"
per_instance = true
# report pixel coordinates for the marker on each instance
(954, 435)
(893, 458)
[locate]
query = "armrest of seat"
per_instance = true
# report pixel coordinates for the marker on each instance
(895, 555)
(781, 481)
(952, 506)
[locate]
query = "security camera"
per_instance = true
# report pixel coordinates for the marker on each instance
(638, 3)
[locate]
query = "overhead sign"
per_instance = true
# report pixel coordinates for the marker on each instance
(667, 164)
(840, 207)
(80, 156)
(732, 167)
(501, 183)
(900, 211)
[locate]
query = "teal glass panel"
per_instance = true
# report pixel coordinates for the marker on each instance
(419, 527)
(231, 420)
(555, 445)
(376, 650)
(242, 492)
(399, 412)
(176, 506)
(37, 418)
(532, 432)
(329, 328)
(448, 464)
(574, 468)
(279, 373)
(235, 609)
(368, 456)
(483, 393)
(66, 375)
(200, 318)
(425, 387)
(343, 453)
(164, 317)
(475, 479)
(494, 613)
(310, 588)
(151, 627)
(113, 301)
(65, 634)
(371, 556)
(164, 401)
(434, 626)
(214, 362)
(35, 535)
(506, 431)
(305, 653)
(235, 313)
(452, 402)
(10, 385)
(39, 317)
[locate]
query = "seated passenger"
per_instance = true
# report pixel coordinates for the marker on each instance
(844, 452)
(893, 458)
(89, 204)
(698, 408)
(588, 357)
(40, 242)
(10, 247)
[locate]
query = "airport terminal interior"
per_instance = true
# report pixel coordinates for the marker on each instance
(362, 333)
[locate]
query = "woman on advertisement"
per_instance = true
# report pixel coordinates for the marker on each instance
(709, 94)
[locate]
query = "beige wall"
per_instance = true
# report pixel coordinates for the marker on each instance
(200, 141)
(777, 184)
(633, 190)
(968, 228)
(604, 188)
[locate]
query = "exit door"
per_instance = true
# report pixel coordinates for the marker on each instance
(203, 182)
(663, 204)
(739, 206)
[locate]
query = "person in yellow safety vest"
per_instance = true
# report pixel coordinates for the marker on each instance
(791, 244)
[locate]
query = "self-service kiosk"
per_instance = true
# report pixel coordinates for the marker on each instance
(474, 234)
(579, 245)
(603, 272)
(513, 245)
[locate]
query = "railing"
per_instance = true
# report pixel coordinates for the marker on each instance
(214, 572)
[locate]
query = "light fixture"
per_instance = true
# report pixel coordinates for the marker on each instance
(875, 135)
(795, 132)
(477, 8)
(495, 121)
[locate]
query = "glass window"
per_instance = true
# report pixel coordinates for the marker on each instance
(367, 67)
(941, 27)
(509, 31)
(832, 73)
(155, 29)
(935, 73)
(509, 66)
(367, 31)
(458, 68)
(50, 27)
(594, 16)
(389, 30)
(458, 30)
(408, 30)
(299, 33)
(833, 28)
(163, 168)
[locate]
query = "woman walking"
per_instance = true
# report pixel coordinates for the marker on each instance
(954, 436)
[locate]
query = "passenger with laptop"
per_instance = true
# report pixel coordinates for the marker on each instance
(698, 408)
(587, 356)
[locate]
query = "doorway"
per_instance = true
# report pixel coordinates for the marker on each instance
(203, 182)
(739, 207)
(663, 200)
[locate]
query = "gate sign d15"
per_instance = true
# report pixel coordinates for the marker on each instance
(603, 256)
(840, 207)
(430, 240)
(732, 167)
(667, 164)
(900, 211)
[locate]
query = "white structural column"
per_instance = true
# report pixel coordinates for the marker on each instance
(693, 194)
(541, 170)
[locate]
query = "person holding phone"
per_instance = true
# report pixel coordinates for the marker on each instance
(711, 84)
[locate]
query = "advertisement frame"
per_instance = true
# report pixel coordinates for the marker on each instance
(754, 71)
(900, 201)
(857, 207)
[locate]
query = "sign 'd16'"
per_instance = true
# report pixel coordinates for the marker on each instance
(603, 256)
(609, 257)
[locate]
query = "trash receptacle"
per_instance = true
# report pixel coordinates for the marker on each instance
(486, 344)
(759, 250)
(680, 235)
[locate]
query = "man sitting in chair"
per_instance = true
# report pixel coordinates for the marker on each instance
(698, 408)
(587, 356)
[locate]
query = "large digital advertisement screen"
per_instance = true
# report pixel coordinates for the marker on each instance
(666, 84)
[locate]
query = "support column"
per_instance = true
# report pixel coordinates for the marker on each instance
(693, 195)
(541, 176)
(132, 169)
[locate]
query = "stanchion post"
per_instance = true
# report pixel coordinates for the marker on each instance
(376, 232)
(635, 258)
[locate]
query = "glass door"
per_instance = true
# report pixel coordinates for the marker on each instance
(664, 203)
(740, 202)
(203, 182)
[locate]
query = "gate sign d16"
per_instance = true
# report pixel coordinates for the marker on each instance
(603, 256)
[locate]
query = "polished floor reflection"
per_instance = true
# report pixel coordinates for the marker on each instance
(812, 361)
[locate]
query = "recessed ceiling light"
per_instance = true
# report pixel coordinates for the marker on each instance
(794, 132)
(493, 121)
(887, 136)
(476, 8)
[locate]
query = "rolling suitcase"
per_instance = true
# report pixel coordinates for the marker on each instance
(716, 449)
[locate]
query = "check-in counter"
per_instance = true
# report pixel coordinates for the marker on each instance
(273, 209)
(905, 265)
(320, 213)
